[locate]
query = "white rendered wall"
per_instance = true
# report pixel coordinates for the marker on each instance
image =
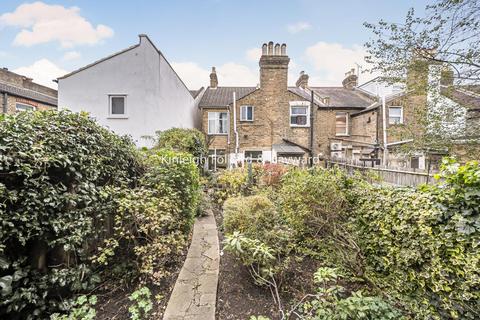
(156, 97)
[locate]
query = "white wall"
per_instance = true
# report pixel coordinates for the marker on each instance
(381, 88)
(156, 97)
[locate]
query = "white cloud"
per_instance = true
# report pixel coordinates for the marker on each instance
(43, 72)
(43, 23)
(298, 27)
(332, 60)
(254, 54)
(229, 74)
(71, 55)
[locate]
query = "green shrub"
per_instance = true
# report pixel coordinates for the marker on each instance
(54, 170)
(332, 302)
(256, 217)
(153, 221)
(142, 304)
(82, 309)
(312, 201)
(230, 183)
(184, 140)
(422, 245)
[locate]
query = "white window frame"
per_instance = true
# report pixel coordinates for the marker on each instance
(26, 105)
(302, 104)
(347, 124)
(246, 113)
(125, 106)
(215, 116)
(401, 115)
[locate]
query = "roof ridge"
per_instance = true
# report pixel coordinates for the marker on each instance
(30, 90)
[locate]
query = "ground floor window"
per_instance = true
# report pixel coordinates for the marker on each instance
(24, 107)
(253, 156)
(217, 159)
(341, 124)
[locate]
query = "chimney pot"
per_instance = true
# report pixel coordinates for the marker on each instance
(264, 49)
(277, 49)
(213, 79)
(270, 48)
(284, 49)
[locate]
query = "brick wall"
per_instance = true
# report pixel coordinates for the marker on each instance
(12, 102)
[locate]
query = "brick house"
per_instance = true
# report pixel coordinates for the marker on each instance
(275, 122)
(20, 93)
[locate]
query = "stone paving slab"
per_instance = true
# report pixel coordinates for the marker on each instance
(195, 293)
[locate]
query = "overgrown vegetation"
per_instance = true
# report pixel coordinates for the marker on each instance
(383, 252)
(80, 206)
(185, 140)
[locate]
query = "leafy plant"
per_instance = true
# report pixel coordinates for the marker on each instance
(55, 168)
(142, 304)
(81, 309)
(184, 140)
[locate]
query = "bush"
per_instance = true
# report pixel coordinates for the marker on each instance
(422, 245)
(312, 201)
(256, 217)
(153, 221)
(183, 140)
(54, 170)
(230, 183)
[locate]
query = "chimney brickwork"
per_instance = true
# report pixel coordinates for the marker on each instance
(302, 81)
(213, 78)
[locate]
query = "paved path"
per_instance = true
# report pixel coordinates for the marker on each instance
(195, 293)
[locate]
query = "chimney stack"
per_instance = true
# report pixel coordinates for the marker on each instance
(213, 79)
(351, 80)
(302, 81)
(274, 66)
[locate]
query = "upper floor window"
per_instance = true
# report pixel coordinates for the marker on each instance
(341, 124)
(24, 107)
(246, 113)
(217, 122)
(299, 115)
(395, 115)
(117, 106)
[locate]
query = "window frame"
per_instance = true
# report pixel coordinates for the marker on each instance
(347, 124)
(253, 112)
(110, 105)
(300, 104)
(217, 118)
(401, 115)
(34, 108)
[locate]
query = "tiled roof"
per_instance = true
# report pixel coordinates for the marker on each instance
(463, 96)
(306, 95)
(223, 96)
(342, 97)
(195, 93)
(28, 94)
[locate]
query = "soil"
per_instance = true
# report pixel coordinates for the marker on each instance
(237, 296)
(113, 304)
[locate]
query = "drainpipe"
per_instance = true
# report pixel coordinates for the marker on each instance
(384, 122)
(235, 124)
(311, 130)
(5, 102)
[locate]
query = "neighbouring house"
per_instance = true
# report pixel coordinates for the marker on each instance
(20, 93)
(134, 92)
(274, 122)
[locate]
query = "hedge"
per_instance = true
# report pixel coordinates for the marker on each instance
(422, 246)
(53, 171)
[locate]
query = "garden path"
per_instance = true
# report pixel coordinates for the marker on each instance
(195, 293)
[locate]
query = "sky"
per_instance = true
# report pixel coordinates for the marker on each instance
(46, 39)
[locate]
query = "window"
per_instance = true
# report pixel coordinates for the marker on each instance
(24, 107)
(217, 159)
(299, 116)
(395, 115)
(217, 122)
(246, 113)
(253, 156)
(341, 124)
(118, 106)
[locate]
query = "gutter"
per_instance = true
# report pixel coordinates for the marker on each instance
(311, 130)
(398, 142)
(235, 124)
